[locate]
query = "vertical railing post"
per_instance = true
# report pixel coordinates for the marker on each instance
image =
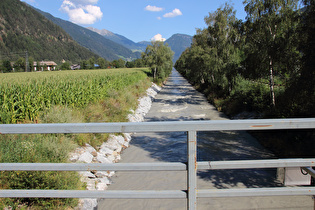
(192, 170)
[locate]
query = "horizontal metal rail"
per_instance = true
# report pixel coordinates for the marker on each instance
(121, 194)
(158, 194)
(143, 127)
(268, 163)
(170, 166)
(253, 192)
(191, 127)
(176, 166)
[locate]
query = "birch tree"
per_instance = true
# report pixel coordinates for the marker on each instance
(214, 55)
(268, 22)
(159, 58)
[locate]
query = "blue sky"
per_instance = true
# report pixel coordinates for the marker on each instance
(138, 20)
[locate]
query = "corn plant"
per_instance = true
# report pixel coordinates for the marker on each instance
(24, 95)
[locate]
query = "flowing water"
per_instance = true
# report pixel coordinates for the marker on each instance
(179, 101)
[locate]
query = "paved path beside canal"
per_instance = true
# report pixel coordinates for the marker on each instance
(178, 100)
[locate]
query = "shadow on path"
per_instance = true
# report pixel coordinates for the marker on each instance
(212, 146)
(178, 101)
(185, 103)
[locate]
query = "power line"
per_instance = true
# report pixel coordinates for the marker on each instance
(14, 55)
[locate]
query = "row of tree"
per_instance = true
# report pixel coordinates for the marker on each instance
(19, 65)
(102, 63)
(157, 56)
(235, 61)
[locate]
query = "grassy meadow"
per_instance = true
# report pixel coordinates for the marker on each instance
(60, 97)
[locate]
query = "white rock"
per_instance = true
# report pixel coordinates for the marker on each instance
(119, 148)
(105, 150)
(126, 144)
(89, 204)
(105, 180)
(156, 88)
(113, 144)
(101, 174)
(120, 140)
(127, 136)
(87, 174)
(132, 111)
(131, 118)
(111, 158)
(109, 152)
(111, 173)
(101, 186)
(117, 158)
(90, 184)
(138, 118)
(86, 157)
(89, 148)
(102, 159)
(74, 157)
(79, 150)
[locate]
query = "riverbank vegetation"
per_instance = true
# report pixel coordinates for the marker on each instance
(159, 57)
(60, 97)
(263, 66)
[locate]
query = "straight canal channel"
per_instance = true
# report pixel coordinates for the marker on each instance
(179, 101)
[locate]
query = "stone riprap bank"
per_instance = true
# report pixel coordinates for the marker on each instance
(109, 152)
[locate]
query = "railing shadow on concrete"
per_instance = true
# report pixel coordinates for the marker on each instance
(191, 166)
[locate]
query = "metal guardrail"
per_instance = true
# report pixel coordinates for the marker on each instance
(191, 127)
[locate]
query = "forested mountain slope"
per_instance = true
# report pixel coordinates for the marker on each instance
(120, 39)
(24, 29)
(95, 42)
(178, 43)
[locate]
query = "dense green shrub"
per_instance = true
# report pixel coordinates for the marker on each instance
(247, 96)
(32, 149)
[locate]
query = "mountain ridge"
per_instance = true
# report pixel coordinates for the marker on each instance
(71, 38)
(177, 42)
(120, 39)
(97, 43)
(42, 39)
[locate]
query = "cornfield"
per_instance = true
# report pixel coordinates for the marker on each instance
(24, 95)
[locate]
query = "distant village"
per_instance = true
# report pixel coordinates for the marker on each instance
(40, 66)
(51, 66)
(28, 65)
(44, 65)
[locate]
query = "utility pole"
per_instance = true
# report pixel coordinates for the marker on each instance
(26, 62)
(12, 56)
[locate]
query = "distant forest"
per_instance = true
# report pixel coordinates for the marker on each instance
(23, 29)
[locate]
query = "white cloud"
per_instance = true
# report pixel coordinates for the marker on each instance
(153, 8)
(67, 4)
(158, 37)
(82, 11)
(84, 2)
(95, 10)
(174, 13)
